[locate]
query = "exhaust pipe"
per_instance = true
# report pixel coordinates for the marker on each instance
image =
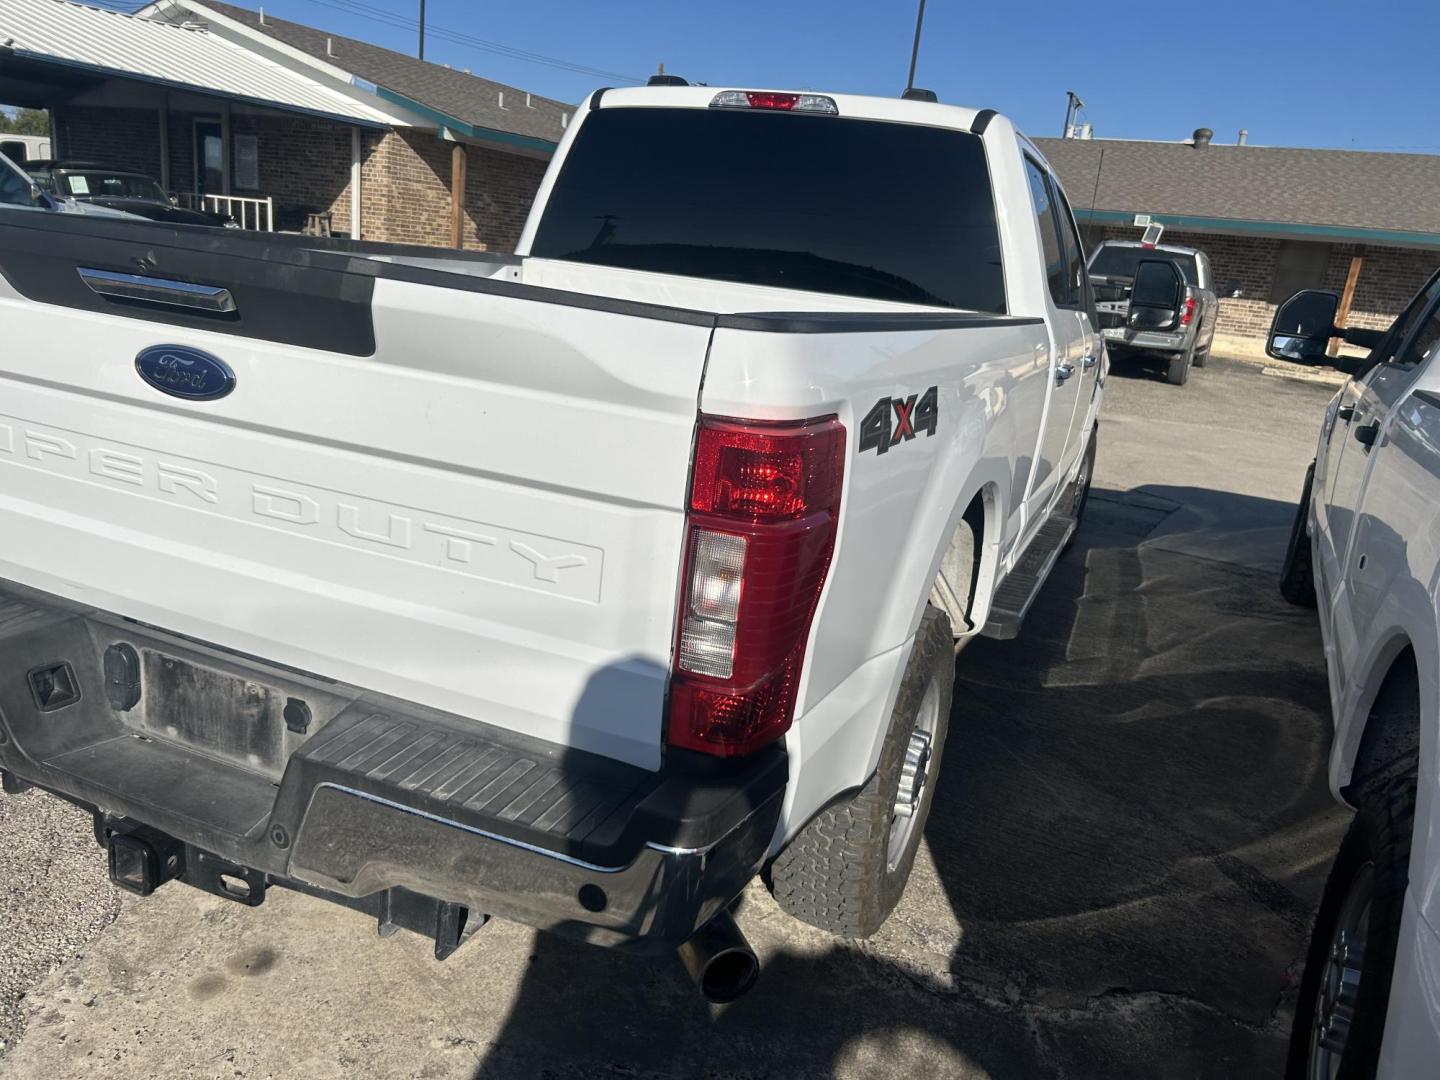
(720, 961)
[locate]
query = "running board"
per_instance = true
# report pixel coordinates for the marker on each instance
(1020, 587)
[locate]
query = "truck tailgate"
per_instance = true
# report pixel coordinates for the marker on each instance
(483, 514)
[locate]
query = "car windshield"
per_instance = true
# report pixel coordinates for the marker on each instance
(1115, 260)
(822, 203)
(100, 184)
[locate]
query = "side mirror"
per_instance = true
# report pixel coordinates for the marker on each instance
(1303, 327)
(1233, 290)
(1157, 296)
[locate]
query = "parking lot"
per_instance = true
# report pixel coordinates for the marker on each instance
(1129, 837)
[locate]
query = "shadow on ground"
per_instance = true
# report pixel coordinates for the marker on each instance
(1129, 836)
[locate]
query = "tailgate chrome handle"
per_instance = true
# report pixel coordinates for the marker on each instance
(114, 285)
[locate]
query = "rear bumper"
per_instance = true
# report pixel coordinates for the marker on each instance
(376, 804)
(1149, 341)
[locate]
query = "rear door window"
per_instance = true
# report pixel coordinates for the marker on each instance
(1051, 250)
(827, 204)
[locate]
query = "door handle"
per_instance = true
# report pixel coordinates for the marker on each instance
(117, 286)
(1063, 371)
(1089, 360)
(1366, 434)
(1345, 412)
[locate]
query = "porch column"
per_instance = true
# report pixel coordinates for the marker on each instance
(457, 195)
(224, 148)
(1347, 298)
(355, 171)
(164, 114)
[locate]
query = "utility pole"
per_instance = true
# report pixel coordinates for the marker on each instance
(422, 29)
(1073, 105)
(915, 49)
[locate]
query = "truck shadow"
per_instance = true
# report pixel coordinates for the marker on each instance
(1127, 841)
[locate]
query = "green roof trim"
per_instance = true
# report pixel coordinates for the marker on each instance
(1280, 228)
(460, 127)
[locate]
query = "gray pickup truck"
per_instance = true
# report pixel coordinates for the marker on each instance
(1183, 340)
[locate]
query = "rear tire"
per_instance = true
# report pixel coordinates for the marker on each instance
(1178, 374)
(1297, 574)
(847, 869)
(1201, 358)
(1345, 991)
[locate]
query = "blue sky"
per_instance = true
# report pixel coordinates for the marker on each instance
(1295, 73)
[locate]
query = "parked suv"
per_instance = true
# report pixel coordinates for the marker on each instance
(1365, 549)
(1185, 343)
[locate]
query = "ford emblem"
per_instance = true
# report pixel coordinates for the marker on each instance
(183, 372)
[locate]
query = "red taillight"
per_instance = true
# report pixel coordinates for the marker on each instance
(764, 504)
(762, 99)
(1189, 311)
(773, 99)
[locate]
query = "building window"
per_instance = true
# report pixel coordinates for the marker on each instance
(1299, 264)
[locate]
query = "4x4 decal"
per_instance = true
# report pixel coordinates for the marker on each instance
(892, 420)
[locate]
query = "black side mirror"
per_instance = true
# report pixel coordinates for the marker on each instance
(1157, 295)
(1303, 327)
(1233, 290)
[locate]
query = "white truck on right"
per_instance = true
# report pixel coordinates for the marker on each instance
(575, 588)
(1365, 550)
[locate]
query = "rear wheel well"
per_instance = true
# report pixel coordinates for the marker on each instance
(1390, 743)
(966, 563)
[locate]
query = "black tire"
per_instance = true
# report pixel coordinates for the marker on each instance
(1378, 839)
(1297, 573)
(1202, 357)
(1178, 373)
(838, 873)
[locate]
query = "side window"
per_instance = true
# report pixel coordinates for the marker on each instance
(14, 187)
(1386, 351)
(1050, 248)
(1424, 345)
(1076, 279)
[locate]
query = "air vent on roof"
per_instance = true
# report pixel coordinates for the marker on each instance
(914, 93)
(1202, 137)
(665, 80)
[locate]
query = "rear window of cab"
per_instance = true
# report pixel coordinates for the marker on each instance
(830, 204)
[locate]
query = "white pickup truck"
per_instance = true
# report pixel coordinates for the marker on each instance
(1365, 550)
(575, 588)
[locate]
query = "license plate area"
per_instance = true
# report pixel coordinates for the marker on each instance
(233, 718)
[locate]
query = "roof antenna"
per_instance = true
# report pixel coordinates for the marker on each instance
(915, 49)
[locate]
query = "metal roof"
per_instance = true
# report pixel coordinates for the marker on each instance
(1316, 194)
(113, 44)
(464, 103)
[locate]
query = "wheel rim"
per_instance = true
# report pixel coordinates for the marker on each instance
(915, 775)
(1340, 980)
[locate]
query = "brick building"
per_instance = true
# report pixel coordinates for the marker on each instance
(228, 108)
(1274, 220)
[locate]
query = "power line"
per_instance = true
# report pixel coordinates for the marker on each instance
(457, 37)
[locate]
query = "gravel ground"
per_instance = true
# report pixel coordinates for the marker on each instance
(1130, 834)
(54, 896)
